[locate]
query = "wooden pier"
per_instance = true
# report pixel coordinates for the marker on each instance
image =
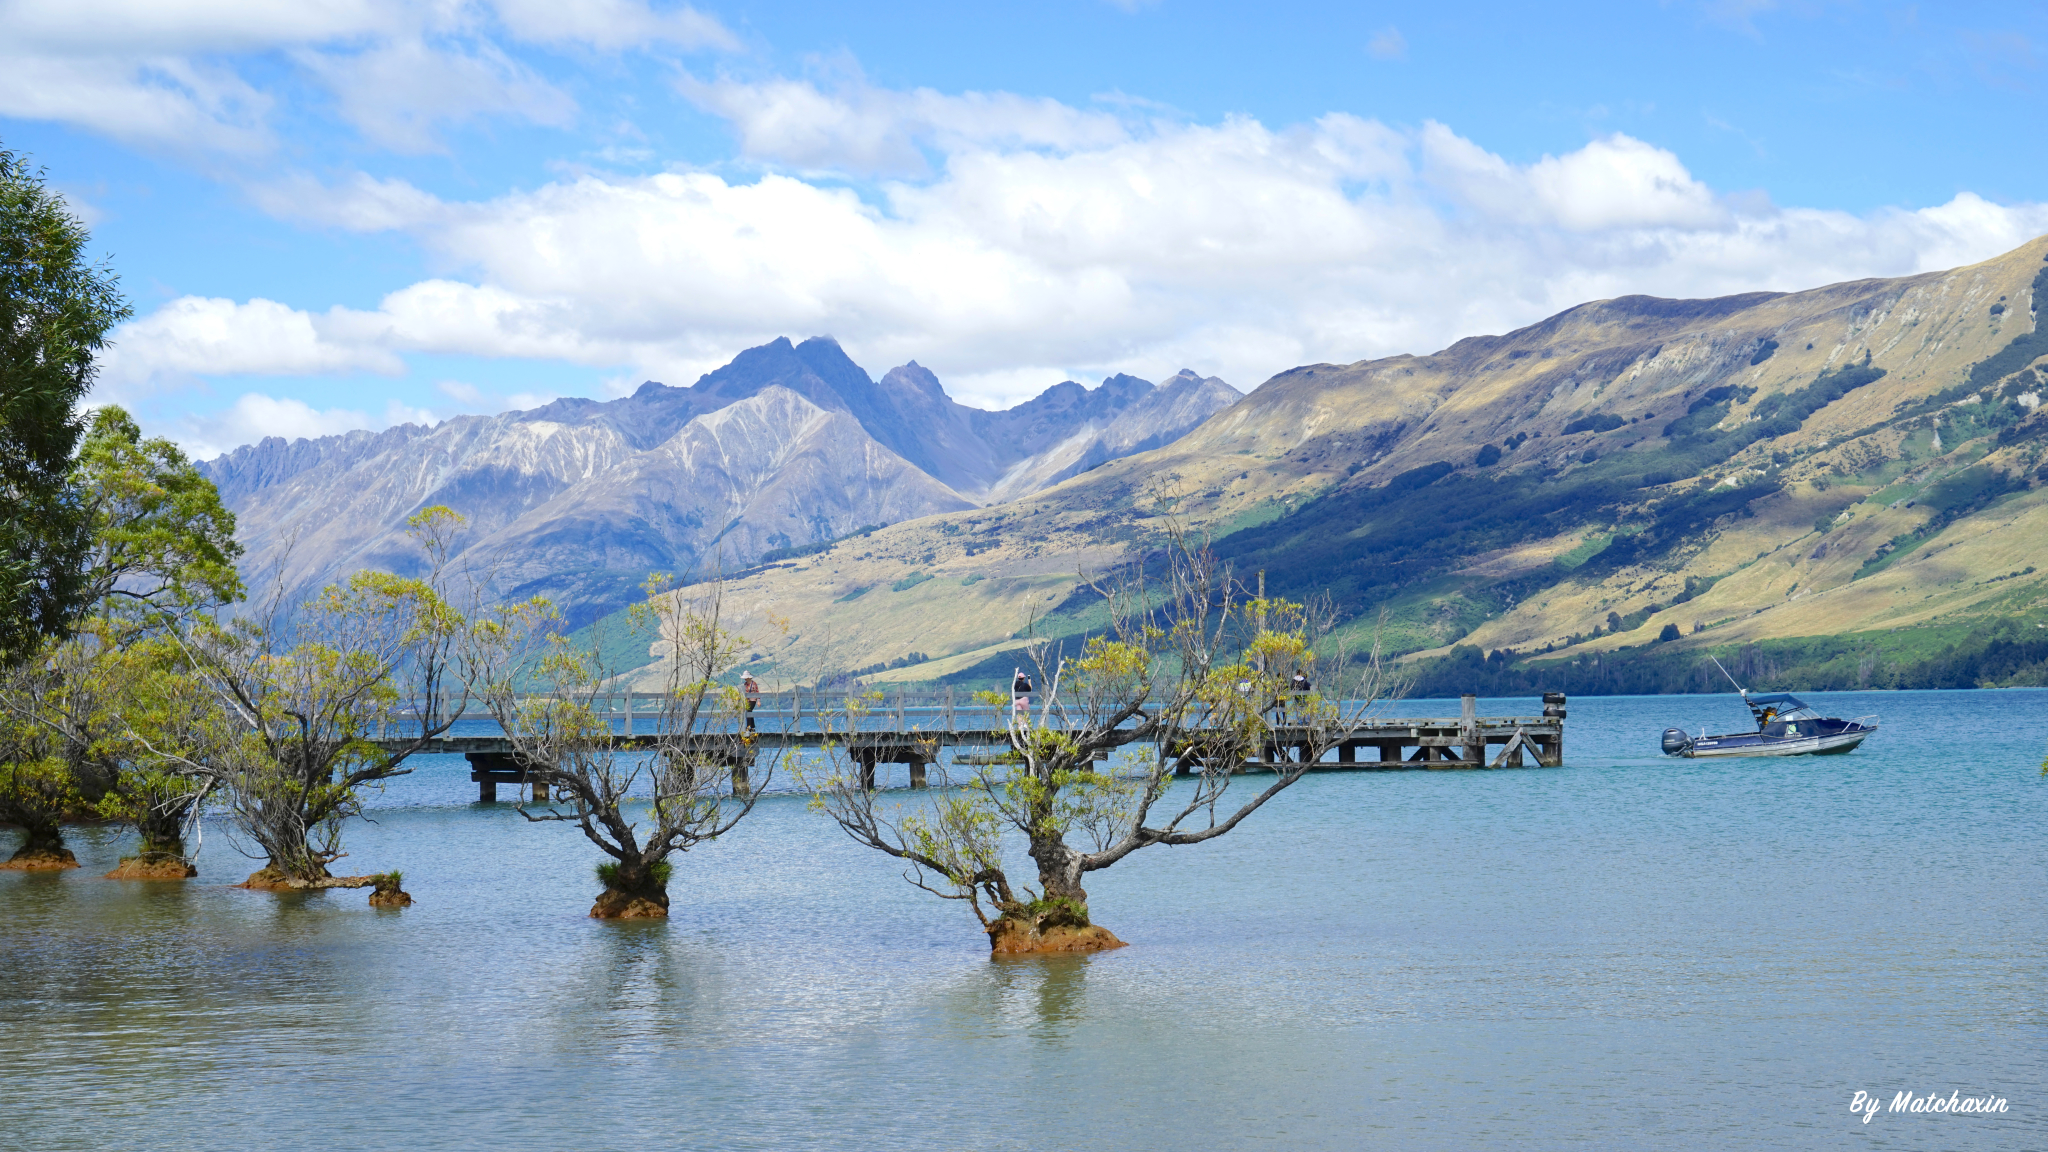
(916, 731)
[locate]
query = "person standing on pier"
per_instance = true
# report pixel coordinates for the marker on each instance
(1299, 686)
(1020, 694)
(751, 688)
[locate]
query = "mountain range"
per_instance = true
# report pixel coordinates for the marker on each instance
(789, 445)
(1856, 474)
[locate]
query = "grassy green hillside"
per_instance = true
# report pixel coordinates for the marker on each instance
(1844, 480)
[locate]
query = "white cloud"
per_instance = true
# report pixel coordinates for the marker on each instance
(181, 75)
(194, 337)
(859, 128)
(143, 101)
(1612, 183)
(254, 416)
(1387, 44)
(1231, 248)
(612, 24)
(361, 203)
(470, 398)
(398, 92)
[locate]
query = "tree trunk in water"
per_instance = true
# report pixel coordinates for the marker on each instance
(632, 891)
(1057, 922)
(160, 859)
(276, 877)
(163, 851)
(42, 851)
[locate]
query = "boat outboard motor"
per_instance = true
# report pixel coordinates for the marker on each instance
(1553, 705)
(1676, 742)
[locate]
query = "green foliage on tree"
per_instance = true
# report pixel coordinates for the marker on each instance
(698, 772)
(321, 703)
(56, 308)
(160, 545)
(37, 790)
(161, 540)
(1133, 742)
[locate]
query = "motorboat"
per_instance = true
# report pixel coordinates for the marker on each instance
(1785, 726)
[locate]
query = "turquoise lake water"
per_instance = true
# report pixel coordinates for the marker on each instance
(1628, 953)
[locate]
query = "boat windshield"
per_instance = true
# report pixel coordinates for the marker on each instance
(1779, 708)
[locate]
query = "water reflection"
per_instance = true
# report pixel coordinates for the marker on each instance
(1607, 955)
(1048, 993)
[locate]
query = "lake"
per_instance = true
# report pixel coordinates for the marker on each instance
(1628, 952)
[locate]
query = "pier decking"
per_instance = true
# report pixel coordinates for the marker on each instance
(916, 731)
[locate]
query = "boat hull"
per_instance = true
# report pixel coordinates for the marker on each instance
(1757, 744)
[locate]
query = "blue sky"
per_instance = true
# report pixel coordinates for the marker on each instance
(349, 213)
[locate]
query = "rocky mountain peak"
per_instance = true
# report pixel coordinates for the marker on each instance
(787, 445)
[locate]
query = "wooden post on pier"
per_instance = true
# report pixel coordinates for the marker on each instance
(916, 770)
(1550, 753)
(739, 773)
(490, 769)
(1468, 730)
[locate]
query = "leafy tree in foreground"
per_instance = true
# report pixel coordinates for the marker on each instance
(161, 548)
(162, 711)
(306, 699)
(1192, 675)
(37, 789)
(55, 311)
(163, 551)
(683, 771)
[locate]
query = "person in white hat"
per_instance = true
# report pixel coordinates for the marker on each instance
(752, 689)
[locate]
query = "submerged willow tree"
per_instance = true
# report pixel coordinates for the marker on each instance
(694, 763)
(308, 708)
(161, 550)
(1194, 675)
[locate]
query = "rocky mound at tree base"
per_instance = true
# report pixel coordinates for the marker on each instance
(36, 858)
(274, 880)
(154, 866)
(616, 905)
(388, 894)
(1013, 938)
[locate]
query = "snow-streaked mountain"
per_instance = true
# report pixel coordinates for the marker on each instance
(1068, 430)
(789, 444)
(765, 472)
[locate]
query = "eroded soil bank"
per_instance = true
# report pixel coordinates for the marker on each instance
(157, 866)
(1015, 938)
(39, 858)
(614, 904)
(274, 880)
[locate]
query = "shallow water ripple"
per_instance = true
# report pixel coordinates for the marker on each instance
(1627, 953)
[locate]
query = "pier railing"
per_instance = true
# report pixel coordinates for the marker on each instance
(915, 728)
